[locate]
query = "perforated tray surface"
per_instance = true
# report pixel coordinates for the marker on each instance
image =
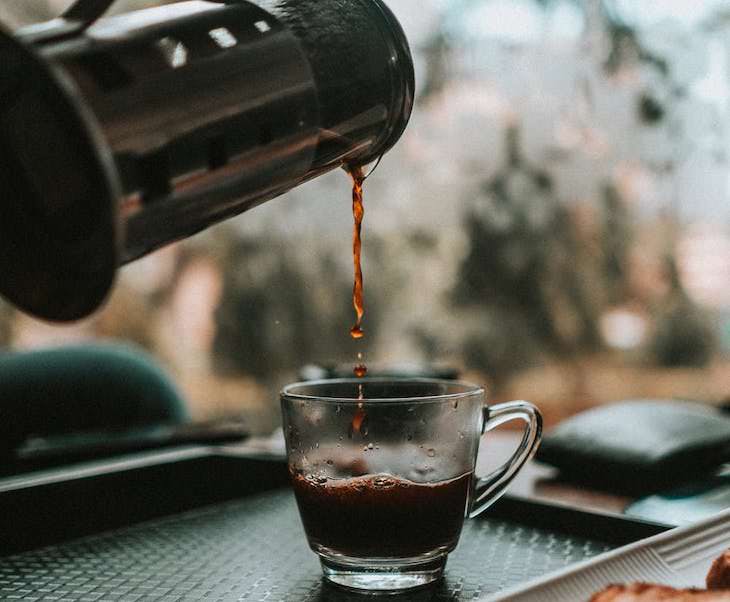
(254, 549)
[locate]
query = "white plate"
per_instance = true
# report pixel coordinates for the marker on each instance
(680, 558)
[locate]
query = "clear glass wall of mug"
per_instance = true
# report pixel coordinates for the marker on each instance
(383, 472)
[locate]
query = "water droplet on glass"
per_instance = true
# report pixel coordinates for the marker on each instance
(422, 421)
(411, 409)
(321, 479)
(316, 445)
(365, 448)
(330, 462)
(431, 452)
(456, 404)
(461, 435)
(340, 437)
(409, 437)
(338, 409)
(423, 471)
(370, 446)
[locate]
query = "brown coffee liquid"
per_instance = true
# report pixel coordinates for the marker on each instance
(358, 212)
(356, 332)
(381, 515)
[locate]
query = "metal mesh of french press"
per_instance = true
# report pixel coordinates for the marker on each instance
(255, 549)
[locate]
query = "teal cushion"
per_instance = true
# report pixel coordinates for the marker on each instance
(80, 388)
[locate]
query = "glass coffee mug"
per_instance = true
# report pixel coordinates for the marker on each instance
(383, 472)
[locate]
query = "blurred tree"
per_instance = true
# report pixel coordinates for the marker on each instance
(282, 308)
(616, 239)
(684, 334)
(436, 54)
(520, 273)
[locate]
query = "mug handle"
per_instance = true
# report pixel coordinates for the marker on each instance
(489, 489)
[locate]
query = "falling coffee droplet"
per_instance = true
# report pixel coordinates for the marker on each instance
(360, 370)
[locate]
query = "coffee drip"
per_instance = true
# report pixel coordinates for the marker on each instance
(358, 213)
(360, 369)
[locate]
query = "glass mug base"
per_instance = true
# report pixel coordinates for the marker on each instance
(386, 577)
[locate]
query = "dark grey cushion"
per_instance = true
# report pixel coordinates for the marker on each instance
(639, 445)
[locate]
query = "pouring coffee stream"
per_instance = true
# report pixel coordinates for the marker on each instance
(358, 213)
(356, 332)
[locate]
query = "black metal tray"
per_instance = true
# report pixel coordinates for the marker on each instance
(251, 547)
